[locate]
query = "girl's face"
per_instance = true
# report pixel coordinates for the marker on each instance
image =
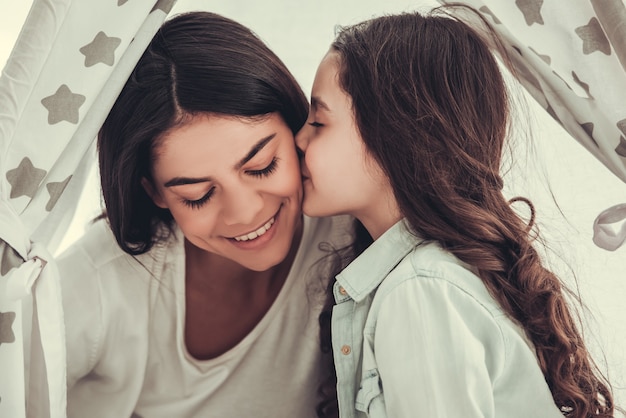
(232, 186)
(339, 175)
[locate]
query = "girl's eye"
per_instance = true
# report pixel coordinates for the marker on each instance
(197, 204)
(265, 172)
(316, 124)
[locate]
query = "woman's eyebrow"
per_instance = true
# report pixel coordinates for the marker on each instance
(181, 181)
(255, 150)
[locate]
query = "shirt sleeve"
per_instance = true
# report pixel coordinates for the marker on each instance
(82, 309)
(106, 333)
(438, 351)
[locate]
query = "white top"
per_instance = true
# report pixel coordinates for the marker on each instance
(125, 328)
(417, 334)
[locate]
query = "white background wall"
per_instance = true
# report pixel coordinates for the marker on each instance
(553, 170)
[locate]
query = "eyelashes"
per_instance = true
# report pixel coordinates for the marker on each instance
(196, 204)
(316, 124)
(265, 172)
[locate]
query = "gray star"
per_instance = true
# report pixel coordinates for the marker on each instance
(6, 322)
(622, 126)
(531, 9)
(593, 38)
(55, 189)
(588, 127)
(101, 49)
(25, 179)
(561, 78)
(552, 113)
(621, 148)
(164, 5)
(486, 11)
(582, 84)
(10, 259)
(525, 74)
(544, 58)
(63, 105)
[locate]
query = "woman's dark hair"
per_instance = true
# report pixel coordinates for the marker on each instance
(432, 108)
(197, 63)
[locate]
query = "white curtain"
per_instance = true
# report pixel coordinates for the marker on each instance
(571, 57)
(68, 65)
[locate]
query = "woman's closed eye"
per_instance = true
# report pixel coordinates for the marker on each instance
(197, 204)
(264, 172)
(316, 124)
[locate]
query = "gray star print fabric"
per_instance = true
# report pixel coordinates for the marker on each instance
(66, 69)
(571, 57)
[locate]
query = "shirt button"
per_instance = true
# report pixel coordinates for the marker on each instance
(342, 290)
(345, 350)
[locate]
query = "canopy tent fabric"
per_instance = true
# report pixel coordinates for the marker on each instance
(68, 65)
(571, 57)
(70, 62)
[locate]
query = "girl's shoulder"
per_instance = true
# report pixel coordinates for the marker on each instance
(429, 265)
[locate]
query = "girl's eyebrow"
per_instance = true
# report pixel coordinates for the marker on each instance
(317, 102)
(180, 181)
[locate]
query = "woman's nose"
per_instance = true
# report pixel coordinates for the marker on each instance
(242, 206)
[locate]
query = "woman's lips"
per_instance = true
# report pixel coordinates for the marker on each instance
(258, 232)
(254, 239)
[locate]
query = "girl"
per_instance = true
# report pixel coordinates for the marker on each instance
(450, 312)
(197, 297)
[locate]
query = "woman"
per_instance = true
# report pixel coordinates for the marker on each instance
(198, 296)
(450, 312)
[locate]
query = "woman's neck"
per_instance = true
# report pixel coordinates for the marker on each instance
(225, 301)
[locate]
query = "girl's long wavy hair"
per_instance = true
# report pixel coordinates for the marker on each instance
(432, 107)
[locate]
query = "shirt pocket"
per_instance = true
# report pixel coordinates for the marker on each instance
(369, 398)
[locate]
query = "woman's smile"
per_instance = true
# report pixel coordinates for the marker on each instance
(259, 237)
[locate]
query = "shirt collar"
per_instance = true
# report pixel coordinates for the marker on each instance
(368, 270)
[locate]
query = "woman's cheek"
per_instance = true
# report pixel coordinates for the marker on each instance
(290, 177)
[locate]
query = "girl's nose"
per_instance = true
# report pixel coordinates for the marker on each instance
(302, 140)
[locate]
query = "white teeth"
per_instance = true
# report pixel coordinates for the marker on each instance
(261, 231)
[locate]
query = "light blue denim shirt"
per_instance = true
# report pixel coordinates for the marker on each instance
(416, 334)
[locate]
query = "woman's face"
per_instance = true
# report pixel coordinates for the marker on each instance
(339, 175)
(232, 185)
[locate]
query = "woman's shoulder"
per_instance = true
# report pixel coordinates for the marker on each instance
(98, 248)
(334, 230)
(96, 257)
